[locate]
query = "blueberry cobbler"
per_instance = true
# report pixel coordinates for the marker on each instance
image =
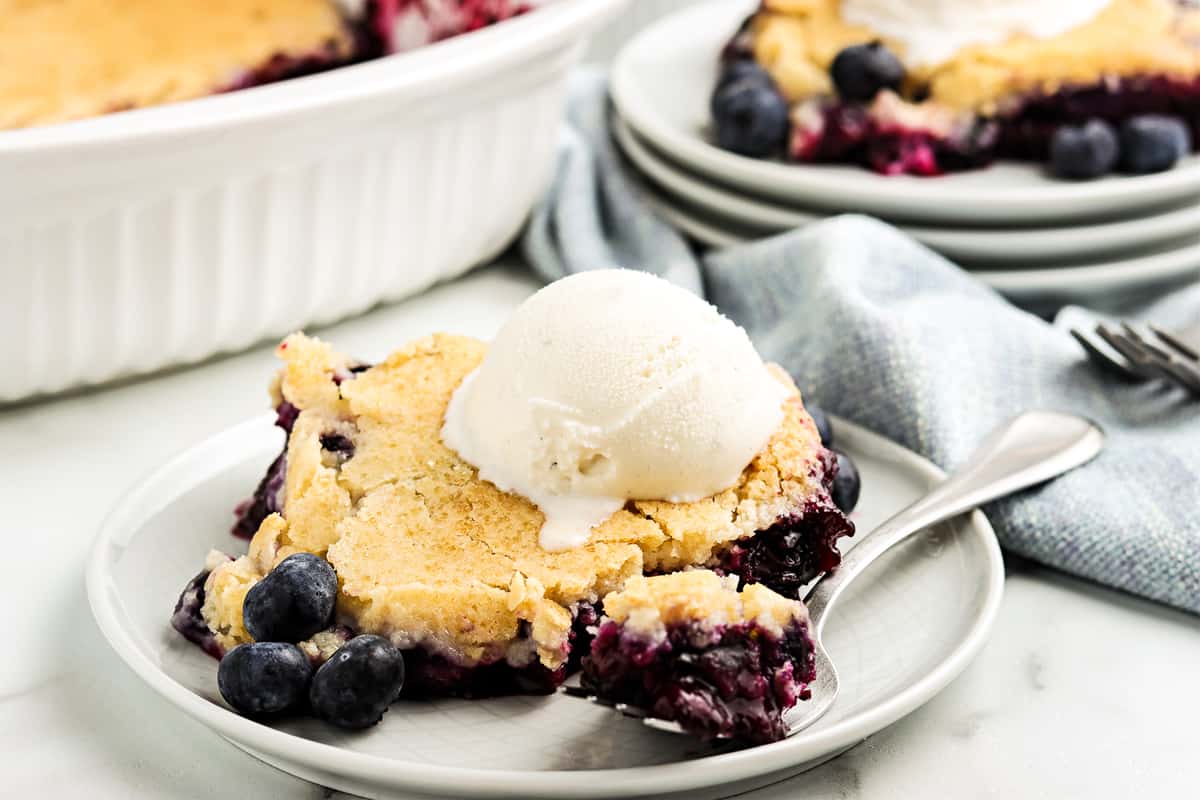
(690, 648)
(70, 59)
(925, 87)
(369, 524)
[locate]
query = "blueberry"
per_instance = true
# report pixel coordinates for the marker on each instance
(751, 116)
(293, 602)
(824, 426)
(358, 683)
(1153, 143)
(860, 71)
(743, 69)
(847, 485)
(1084, 151)
(264, 678)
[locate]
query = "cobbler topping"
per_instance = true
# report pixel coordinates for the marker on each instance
(797, 41)
(651, 605)
(70, 59)
(445, 564)
(78, 58)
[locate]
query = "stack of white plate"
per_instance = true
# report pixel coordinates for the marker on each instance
(1036, 239)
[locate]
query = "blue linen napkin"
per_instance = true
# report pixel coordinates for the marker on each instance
(878, 329)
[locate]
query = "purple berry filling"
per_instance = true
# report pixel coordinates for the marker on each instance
(267, 499)
(339, 445)
(283, 67)
(848, 133)
(268, 496)
(430, 675)
(187, 619)
(789, 554)
(1026, 134)
(731, 681)
(798, 547)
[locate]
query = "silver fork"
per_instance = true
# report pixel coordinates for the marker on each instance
(1030, 449)
(1151, 353)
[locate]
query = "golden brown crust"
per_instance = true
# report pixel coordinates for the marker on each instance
(651, 605)
(429, 554)
(797, 40)
(69, 59)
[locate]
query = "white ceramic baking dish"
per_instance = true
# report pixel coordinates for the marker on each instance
(162, 236)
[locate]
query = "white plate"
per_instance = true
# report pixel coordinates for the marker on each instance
(968, 246)
(904, 632)
(1103, 285)
(661, 84)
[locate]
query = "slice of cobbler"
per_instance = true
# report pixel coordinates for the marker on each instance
(447, 566)
(691, 649)
(859, 81)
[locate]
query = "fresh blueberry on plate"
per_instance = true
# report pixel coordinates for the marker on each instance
(861, 71)
(1153, 143)
(357, 684)
(743, 69)
(750, 116)
(847, 486)
(1081, 152)
(264, 678)
(824, 426)
(294, 601)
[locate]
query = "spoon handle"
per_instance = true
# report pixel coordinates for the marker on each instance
(1030, 449)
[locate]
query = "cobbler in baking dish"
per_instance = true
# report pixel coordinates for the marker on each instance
(71, 59)
(924, 87)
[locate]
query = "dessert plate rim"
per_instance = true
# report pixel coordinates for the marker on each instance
(990, 245)
(1134, 272)
(363, 772)
(683, 49)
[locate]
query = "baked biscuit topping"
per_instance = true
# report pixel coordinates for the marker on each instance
(435, 558)
(797, 41)
(67, 59)
(652, 605)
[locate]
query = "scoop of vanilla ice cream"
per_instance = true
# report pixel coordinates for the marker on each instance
(932, 31)
(609, 386)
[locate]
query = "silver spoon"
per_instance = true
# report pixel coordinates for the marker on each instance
(1030, 449)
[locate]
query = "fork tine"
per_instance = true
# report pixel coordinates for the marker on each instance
(1107, 361)
(624, 709)
(1126, 347)
(1169, 361)
(1185, 374)
(1174, 343)
(1130, 345)
(1151, 357)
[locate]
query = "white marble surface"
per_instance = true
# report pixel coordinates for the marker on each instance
(1081, 693)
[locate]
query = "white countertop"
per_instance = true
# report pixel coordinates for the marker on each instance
(1081, 693)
